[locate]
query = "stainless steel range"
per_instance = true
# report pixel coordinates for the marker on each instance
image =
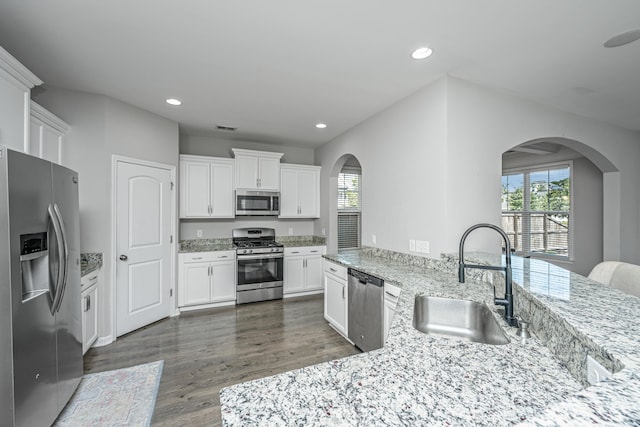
(260, 265)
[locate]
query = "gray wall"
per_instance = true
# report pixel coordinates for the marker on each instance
(431, 167)
(587, 206)
(100, 128)
(209, 145)
(203, 145)
(401, 152)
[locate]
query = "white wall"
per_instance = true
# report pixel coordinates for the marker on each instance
(100, 128)
(221, 228)
(432, 166)
(401, 152)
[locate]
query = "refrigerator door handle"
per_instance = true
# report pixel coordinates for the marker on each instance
(62, 261)
(65, 262)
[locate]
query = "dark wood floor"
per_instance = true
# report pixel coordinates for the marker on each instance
(208, 350)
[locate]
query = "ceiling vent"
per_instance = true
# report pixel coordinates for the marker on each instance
(226, 128)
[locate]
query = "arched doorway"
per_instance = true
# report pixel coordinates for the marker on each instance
(345, 202)
(553, 201)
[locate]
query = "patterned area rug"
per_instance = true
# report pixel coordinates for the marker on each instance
(124, 397)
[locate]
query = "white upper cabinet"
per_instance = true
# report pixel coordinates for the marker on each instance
(46, 135)
(206, 187)
(16, 82)
(257, 170)
(299, 191)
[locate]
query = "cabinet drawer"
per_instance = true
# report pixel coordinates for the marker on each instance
(89, 280)
(335, 269)
(207, 256)
(391, 291)
(305, 250)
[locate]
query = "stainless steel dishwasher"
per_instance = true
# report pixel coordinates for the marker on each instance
(365, 313)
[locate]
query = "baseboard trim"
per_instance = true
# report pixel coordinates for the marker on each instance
(102, 341)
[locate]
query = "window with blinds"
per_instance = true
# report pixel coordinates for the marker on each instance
(349, 209)
(536, 210)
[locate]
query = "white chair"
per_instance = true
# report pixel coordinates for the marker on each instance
(619, 275)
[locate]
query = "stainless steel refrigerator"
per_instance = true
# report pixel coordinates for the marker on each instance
(40, 318)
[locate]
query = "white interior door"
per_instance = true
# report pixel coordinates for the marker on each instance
(143, 257)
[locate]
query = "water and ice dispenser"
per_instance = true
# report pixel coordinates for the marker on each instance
(34, 263)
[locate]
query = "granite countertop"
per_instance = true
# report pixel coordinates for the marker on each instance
(428, 380)
(301, 243)
(90, 262)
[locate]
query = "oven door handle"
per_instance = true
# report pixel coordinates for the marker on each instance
(260, 256)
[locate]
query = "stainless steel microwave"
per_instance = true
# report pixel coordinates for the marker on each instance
(265, 203)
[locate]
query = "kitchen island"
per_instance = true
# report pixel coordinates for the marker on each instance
(419, 379)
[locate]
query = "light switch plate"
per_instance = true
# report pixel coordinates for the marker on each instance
(373, 238)
(290, 231)
(412, 245)
(422, 246)
(198, 233)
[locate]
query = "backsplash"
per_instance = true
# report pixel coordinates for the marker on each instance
(198, 245)
(313, 240)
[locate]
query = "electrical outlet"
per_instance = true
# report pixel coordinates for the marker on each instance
(324, 231)
(290, 231)
(198, 233)
(412, 245)
(373, 238)
(422, 246)
(595, 371)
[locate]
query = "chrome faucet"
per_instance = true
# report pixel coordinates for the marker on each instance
(507, 301)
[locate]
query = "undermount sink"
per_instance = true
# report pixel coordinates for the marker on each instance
(455, 318)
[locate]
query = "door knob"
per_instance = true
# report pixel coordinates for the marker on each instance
(123, 257)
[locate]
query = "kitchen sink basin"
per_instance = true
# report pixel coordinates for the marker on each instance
(455, 318)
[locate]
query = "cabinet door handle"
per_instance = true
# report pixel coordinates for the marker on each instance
(198, 257)
(87, 305)
(314, 252)
(342, 291)
(223, 256)
(333, 269)
(93, 278)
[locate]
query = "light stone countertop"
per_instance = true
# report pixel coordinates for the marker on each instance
(427, 380)
(90, 262)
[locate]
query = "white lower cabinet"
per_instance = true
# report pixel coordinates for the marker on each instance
(391, 297)
(206, 279)
(303, 270)
(336, 296)
(89, 308)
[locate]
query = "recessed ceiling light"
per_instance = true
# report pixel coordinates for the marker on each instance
(173, 101)
(422, 53)
(623, 38)
(321, 125)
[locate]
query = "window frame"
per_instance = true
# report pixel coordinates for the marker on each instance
(526, 171)
(351, 210)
